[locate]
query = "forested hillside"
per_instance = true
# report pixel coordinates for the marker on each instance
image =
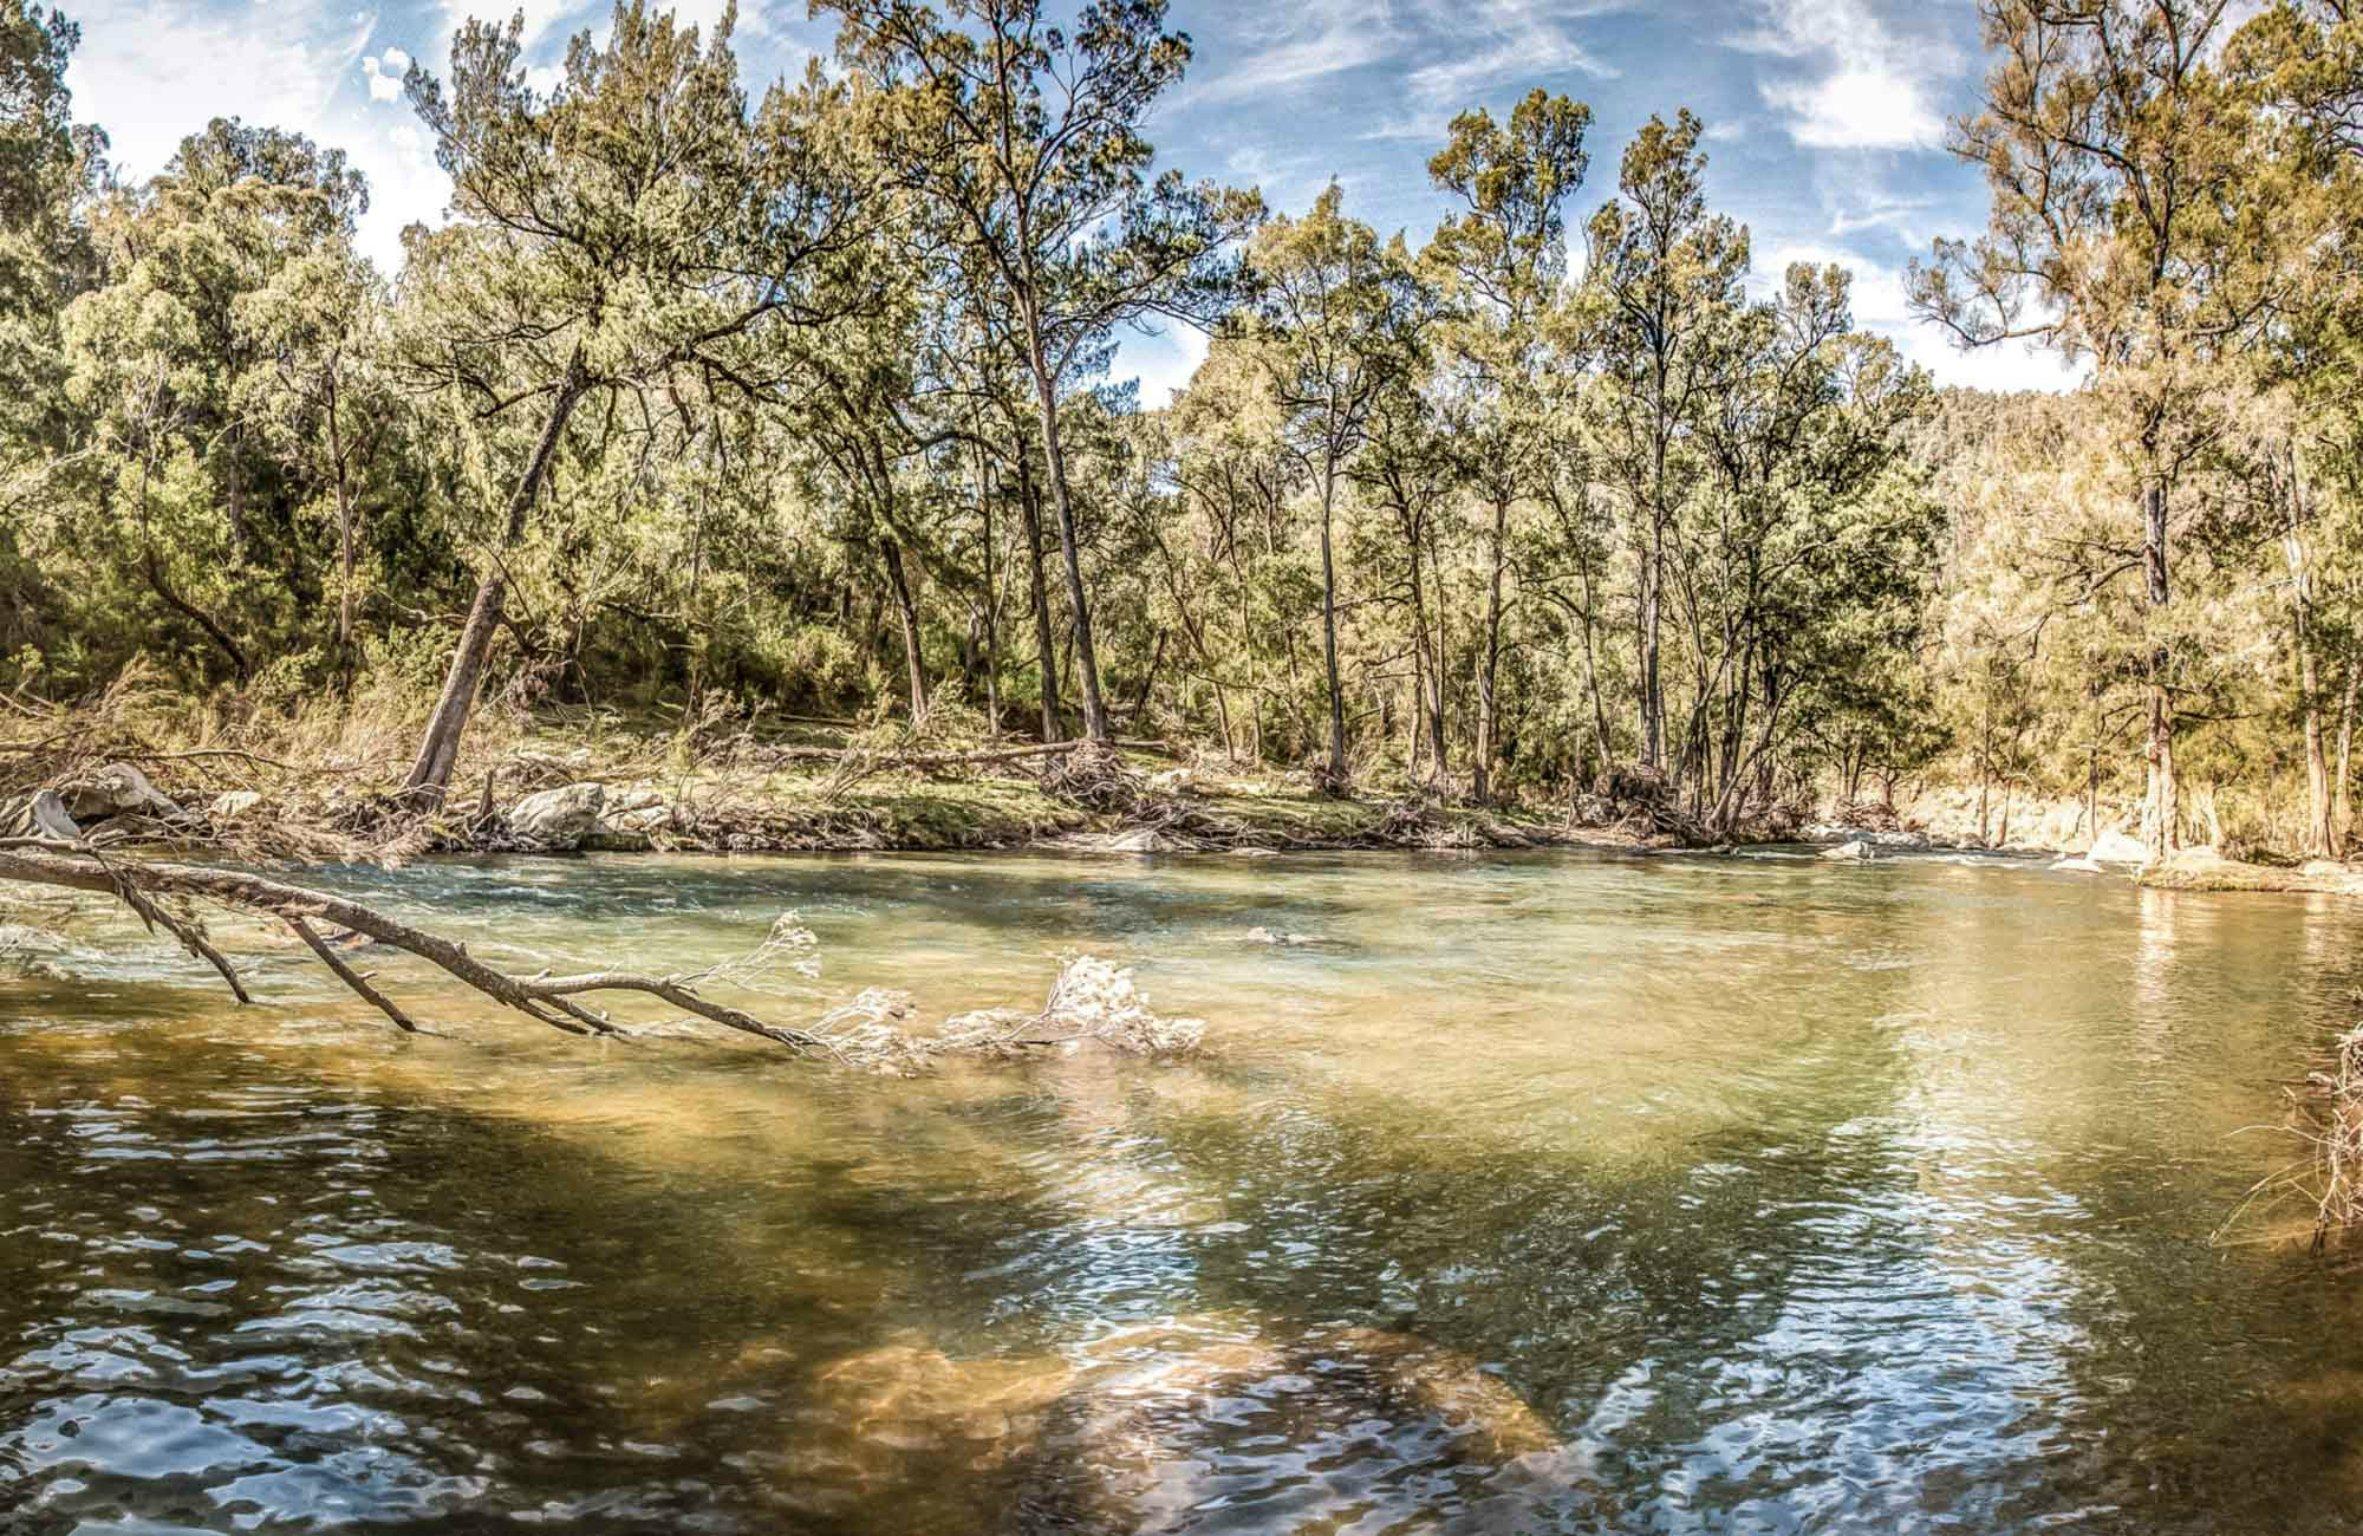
(719, 399)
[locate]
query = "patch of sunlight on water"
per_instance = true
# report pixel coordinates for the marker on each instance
(1531, 1194)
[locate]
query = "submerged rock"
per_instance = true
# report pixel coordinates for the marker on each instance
(557, 820)
(909, 1396)
(1461, 1394)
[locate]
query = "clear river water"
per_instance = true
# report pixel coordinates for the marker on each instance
(1541, 1193)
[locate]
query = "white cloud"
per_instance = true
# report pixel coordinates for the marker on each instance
(1292, 45)
(1859, 85)
(1162, 360)
(385, 72)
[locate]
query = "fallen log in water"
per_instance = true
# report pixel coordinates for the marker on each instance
(1092, 1002)
(145, 886)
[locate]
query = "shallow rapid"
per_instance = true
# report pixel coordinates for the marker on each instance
(1545, 1193)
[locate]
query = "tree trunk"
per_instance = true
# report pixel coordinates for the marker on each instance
(2160, 811)
(2342, 803)
(2321, 840)
(1337, 700)
(1428, 683)
(1489, 662)
(906, 609)
(1029, 505)
(430, 771)
(991, 606)
(1095, 712)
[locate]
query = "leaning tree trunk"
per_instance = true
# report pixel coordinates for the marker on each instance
(551, 1000)
(438, 750)
(906, 612)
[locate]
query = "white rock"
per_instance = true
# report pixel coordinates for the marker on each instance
(40, 814)
(232, 804)
(112, 791)
(1855, 852)
(629, 828)
(2117, 847)
(557, 820)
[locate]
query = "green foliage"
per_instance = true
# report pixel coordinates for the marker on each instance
(797, 403)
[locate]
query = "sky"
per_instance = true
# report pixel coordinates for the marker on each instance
(1826, 119)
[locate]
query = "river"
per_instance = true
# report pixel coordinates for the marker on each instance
(1560, 1192)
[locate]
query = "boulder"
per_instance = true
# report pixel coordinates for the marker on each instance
(2116, 846)
(232, 805)
(557, 820)
(40, 814)
(1854, 852)
(630, 822)
(117, 789)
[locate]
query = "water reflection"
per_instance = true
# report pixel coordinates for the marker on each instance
(1548, 1194)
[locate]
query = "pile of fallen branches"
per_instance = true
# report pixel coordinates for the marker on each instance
(1094, 777)
(1639, 803)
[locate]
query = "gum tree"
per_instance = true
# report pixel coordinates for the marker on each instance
(1023, 140)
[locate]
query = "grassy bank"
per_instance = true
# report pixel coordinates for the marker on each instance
(323, 782)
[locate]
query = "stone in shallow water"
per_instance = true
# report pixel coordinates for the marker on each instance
(911, 1397)
(1492, 1419)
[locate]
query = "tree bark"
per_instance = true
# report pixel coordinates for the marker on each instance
(1489, 662)
(1054, 455)
(1337, 699)
(438, 751)
(2161, 810)
(906, 612)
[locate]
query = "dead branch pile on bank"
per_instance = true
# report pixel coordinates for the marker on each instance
(2330, 1116)
(1636, 802)
(2326, 1116)
(1092, 1001)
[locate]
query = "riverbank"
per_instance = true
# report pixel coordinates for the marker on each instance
(563, 782)
(566, 786)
